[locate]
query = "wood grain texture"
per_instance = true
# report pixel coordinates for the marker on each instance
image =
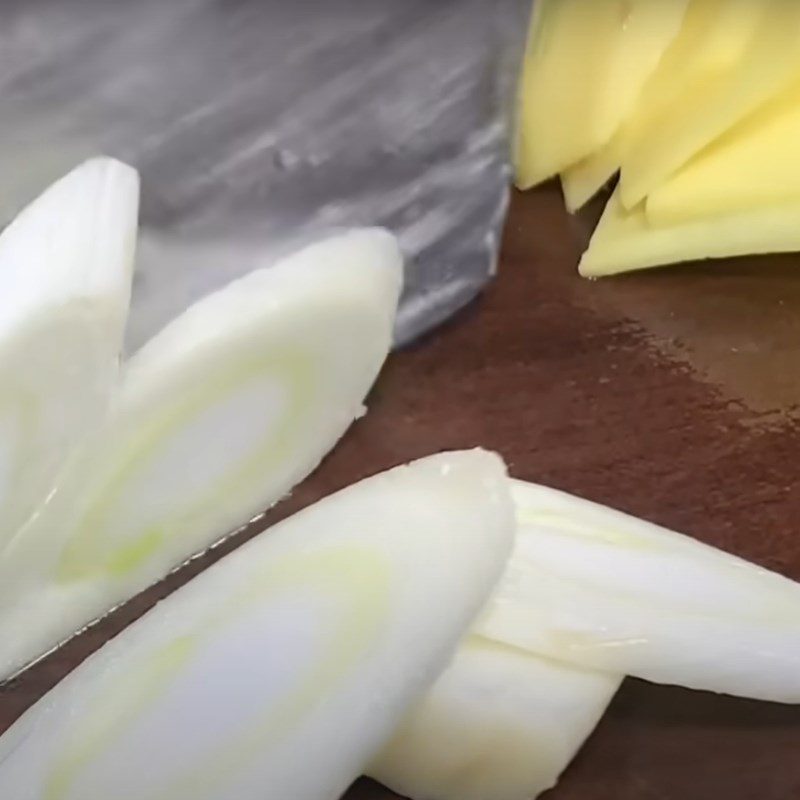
(673, 395)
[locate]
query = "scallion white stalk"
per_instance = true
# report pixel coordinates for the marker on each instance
(499, 724)
(594, 587)
(217, 418)
(65, 278)
(280, 670)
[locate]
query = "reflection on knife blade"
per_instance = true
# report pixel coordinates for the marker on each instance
(258, 124)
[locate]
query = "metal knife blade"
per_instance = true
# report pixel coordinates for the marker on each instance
(260, 124)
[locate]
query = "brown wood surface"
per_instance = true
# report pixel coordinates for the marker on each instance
(673, 395)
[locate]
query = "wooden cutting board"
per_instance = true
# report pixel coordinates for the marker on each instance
(672, 394)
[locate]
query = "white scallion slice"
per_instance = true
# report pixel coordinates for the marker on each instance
(218, 417)
(280, 670)
(65, 278)
(598, 588)
(499, 724)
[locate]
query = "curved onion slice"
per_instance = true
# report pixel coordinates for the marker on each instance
(597, 588)
(219, 415)
(65, 277)
(499, 724)
(280, 670)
